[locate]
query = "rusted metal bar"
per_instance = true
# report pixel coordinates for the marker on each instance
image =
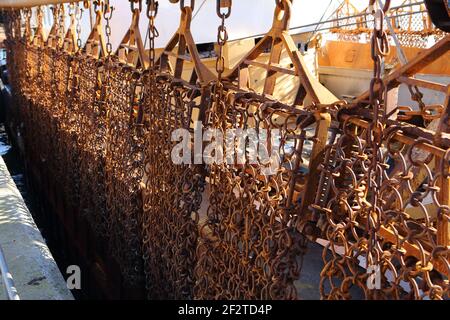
(437, 151)
(29, 3)
(323, 123)
(413, 66)
(423, 83)
(411, 130)
(277, 39)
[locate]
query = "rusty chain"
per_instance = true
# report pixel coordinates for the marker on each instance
(228, 231)
(124, 164)
(376, 205)
(172, 200)
(249, 246)
(91, 140)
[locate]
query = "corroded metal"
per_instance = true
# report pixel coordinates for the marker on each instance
(357, 177)
(382, 203)
(172, 200)
(124, 145)
(249, 246)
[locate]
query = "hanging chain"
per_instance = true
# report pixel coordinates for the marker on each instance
(368, 176)
(137, 90)
(123, 164)
(376, 198)
(152, 12)
(223, 11)
(61, 23)
(171, 200)
(107, 15)
(78, 16)
(222, 35)
(379, 50)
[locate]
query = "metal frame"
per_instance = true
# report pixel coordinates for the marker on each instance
(131, 49)
(278, 38)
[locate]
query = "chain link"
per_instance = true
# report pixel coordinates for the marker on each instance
(78, 16)
(171, 201)
(99, 134)
(375, 203)
(152, 12)
(107, 15)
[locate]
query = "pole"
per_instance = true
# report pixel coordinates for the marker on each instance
(29, 3)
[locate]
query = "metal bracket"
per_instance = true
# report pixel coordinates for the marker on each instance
(131, 50)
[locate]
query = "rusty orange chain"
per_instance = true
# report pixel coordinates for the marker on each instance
(171, 200)
(379, 205)
(380, 202)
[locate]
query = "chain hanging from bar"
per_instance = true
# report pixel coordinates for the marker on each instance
(34, 74)
(39, 73)
(47, 98)
(64, 49)
(15, 52)
(249, 246)
(382, 202)
(12, 45)
(125, 148)
(71, 119)
(92, 137)
(98, 128)
(173, 191)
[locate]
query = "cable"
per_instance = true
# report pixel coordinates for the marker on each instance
(146, 35)
(320, 21)
(198, 10)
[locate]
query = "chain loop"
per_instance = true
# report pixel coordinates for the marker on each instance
(223, 4)
(133, 5)
(191, 4)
